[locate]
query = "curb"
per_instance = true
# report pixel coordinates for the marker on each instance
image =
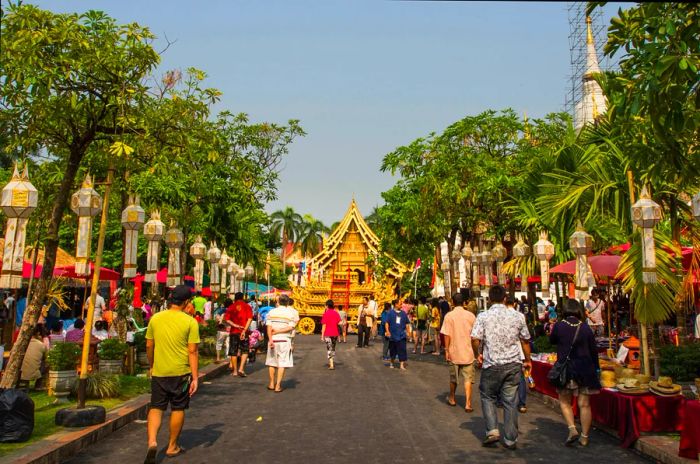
(658, 448)
(63, 445)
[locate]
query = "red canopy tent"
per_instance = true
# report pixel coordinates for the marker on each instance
(601, 265)
(69, 272)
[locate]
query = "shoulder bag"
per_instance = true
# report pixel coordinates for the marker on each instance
(560, 374)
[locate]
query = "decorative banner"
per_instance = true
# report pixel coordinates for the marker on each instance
(233, 270)
(521, 250)
(198, 251)
(544, 250)
(581, 244)
(223, 266)
(133, 218)
(174, 239)
(214, 256)
(153, 230)
(19, 199)
(646, 213)
(86, 203)
(500, 254)
(487, 262)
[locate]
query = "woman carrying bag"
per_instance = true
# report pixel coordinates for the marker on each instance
(576, 372)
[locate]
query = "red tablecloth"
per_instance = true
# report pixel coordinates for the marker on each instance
(690, 436)
(629, 414)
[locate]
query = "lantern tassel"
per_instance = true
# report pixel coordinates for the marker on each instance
(174, 275)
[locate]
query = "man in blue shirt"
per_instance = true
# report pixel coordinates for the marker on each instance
(388, 310)
(395, 329)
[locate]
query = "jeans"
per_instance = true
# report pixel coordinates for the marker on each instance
(385, 349)
(363, 335)
(501, 382)
(522, 392)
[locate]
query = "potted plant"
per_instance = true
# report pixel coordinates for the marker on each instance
(111, 353)
(62, 360)
(140, 344)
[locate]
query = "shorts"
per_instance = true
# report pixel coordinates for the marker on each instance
(236, 346)
(434, 331)
(221, 340)
(573, 388)
(465, 372)
(397, 348)
(422, 325)
(171, 390)
(280, 354)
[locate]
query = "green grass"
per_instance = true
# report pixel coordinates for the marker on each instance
(45, 410)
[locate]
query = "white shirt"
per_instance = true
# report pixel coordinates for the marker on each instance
(282, 317)
(99, 307)
(595, 311)
(207, 310)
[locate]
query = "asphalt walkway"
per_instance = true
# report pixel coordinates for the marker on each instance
(362, 412)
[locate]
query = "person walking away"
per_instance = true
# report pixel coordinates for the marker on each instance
(435, 323)
(498, 335)
(364, 323)
(457, 329)
(422, 316)
(199, 302)
(594, 312)
(583, 366)
(343, 323)
(280, 324)
(522, 387)
(329, 331)
(172, 340)
(388, 311)
(238, 316)
(396, 329)
(222, 332)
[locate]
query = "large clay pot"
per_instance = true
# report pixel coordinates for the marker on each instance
(61, 383)
(109, 366)
(142, 359)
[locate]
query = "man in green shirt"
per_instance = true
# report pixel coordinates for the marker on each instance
(422, 316)
(198, 302)
(171, 343)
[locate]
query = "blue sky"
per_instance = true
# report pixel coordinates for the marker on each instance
(362, 76)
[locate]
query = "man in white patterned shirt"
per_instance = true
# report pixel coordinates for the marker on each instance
(498, 335)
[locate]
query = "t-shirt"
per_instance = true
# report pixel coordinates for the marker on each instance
(239, 313)
(458, 326)
(331, 319)
(280, 318)
(398, 320)
(343, 316)
(500, 330)
(198, 302)
(435, 321)
(100, 306)
(171, 332)
(552, 310)
(19, 311)
(75, 335)
(595, 312)
(31, 365)
(422, 312)
(541, 311)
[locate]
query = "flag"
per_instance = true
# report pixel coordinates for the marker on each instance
(418, 264)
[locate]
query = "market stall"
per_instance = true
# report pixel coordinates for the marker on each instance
(690, 435)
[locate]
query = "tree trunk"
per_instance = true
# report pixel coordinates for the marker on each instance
(31, 315)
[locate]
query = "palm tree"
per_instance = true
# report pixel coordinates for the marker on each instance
(311, 236)
(373, 220)
(286, 224)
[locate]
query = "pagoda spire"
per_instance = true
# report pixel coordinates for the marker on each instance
(593, 102)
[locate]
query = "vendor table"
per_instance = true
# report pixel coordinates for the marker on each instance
(629, 414)
(690, 436)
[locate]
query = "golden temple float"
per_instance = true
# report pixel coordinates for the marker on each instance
(344, 272)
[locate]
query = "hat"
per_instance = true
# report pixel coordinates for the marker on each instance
(643, 379)
(664, 387)
(631, 386)
(607, 379)
(180, 294)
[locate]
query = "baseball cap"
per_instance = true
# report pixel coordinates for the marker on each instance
(180, 294)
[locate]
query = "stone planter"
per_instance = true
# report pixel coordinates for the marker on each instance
(110, 366)
(61, 383)
(142, 359)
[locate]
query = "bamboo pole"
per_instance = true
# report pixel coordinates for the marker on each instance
(93, 293)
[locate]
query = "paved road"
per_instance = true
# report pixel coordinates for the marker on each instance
(362, 412)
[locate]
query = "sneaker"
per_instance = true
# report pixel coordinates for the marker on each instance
(490, 440)
(522, 409)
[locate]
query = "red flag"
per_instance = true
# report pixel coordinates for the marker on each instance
(418, 264)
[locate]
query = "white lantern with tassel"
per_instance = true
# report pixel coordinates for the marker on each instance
(86, 203)
(214, 257)
(500, 253)
(581, 244)
(223, 266)
(521, 250)
(233, 270)
(153, 230)
(174, 239)
(476, 283)
(487, 263)
(19, 199)
(467, 255)
(133, 218)
(198, 251)
(646, 213)
(544, 250)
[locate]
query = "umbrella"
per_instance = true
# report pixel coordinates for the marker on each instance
(275, 292)
(69, 272)
(602, 265)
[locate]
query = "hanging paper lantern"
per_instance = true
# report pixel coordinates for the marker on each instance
(581, 244)
(214, 257)
(487, 263)
(521, 250)
(19, 199)
(696, 206)
(133, 218)
(233, 270)
(476, 284)
(544, 250)
(86, 203)
(153, 230)
(223, 265)
(500, 254)
(467, 255)
(646, 213)
(174, 239)
(241, 278)
(198, 251)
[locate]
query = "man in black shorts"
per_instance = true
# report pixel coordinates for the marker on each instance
(172, 340)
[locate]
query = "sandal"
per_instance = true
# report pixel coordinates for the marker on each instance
(583, 440)
(151, 455)
(468, 410)
(180, 451)
(271, 388)
(280, 390)
(573, 436)
(242, 374)
(451, 403)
